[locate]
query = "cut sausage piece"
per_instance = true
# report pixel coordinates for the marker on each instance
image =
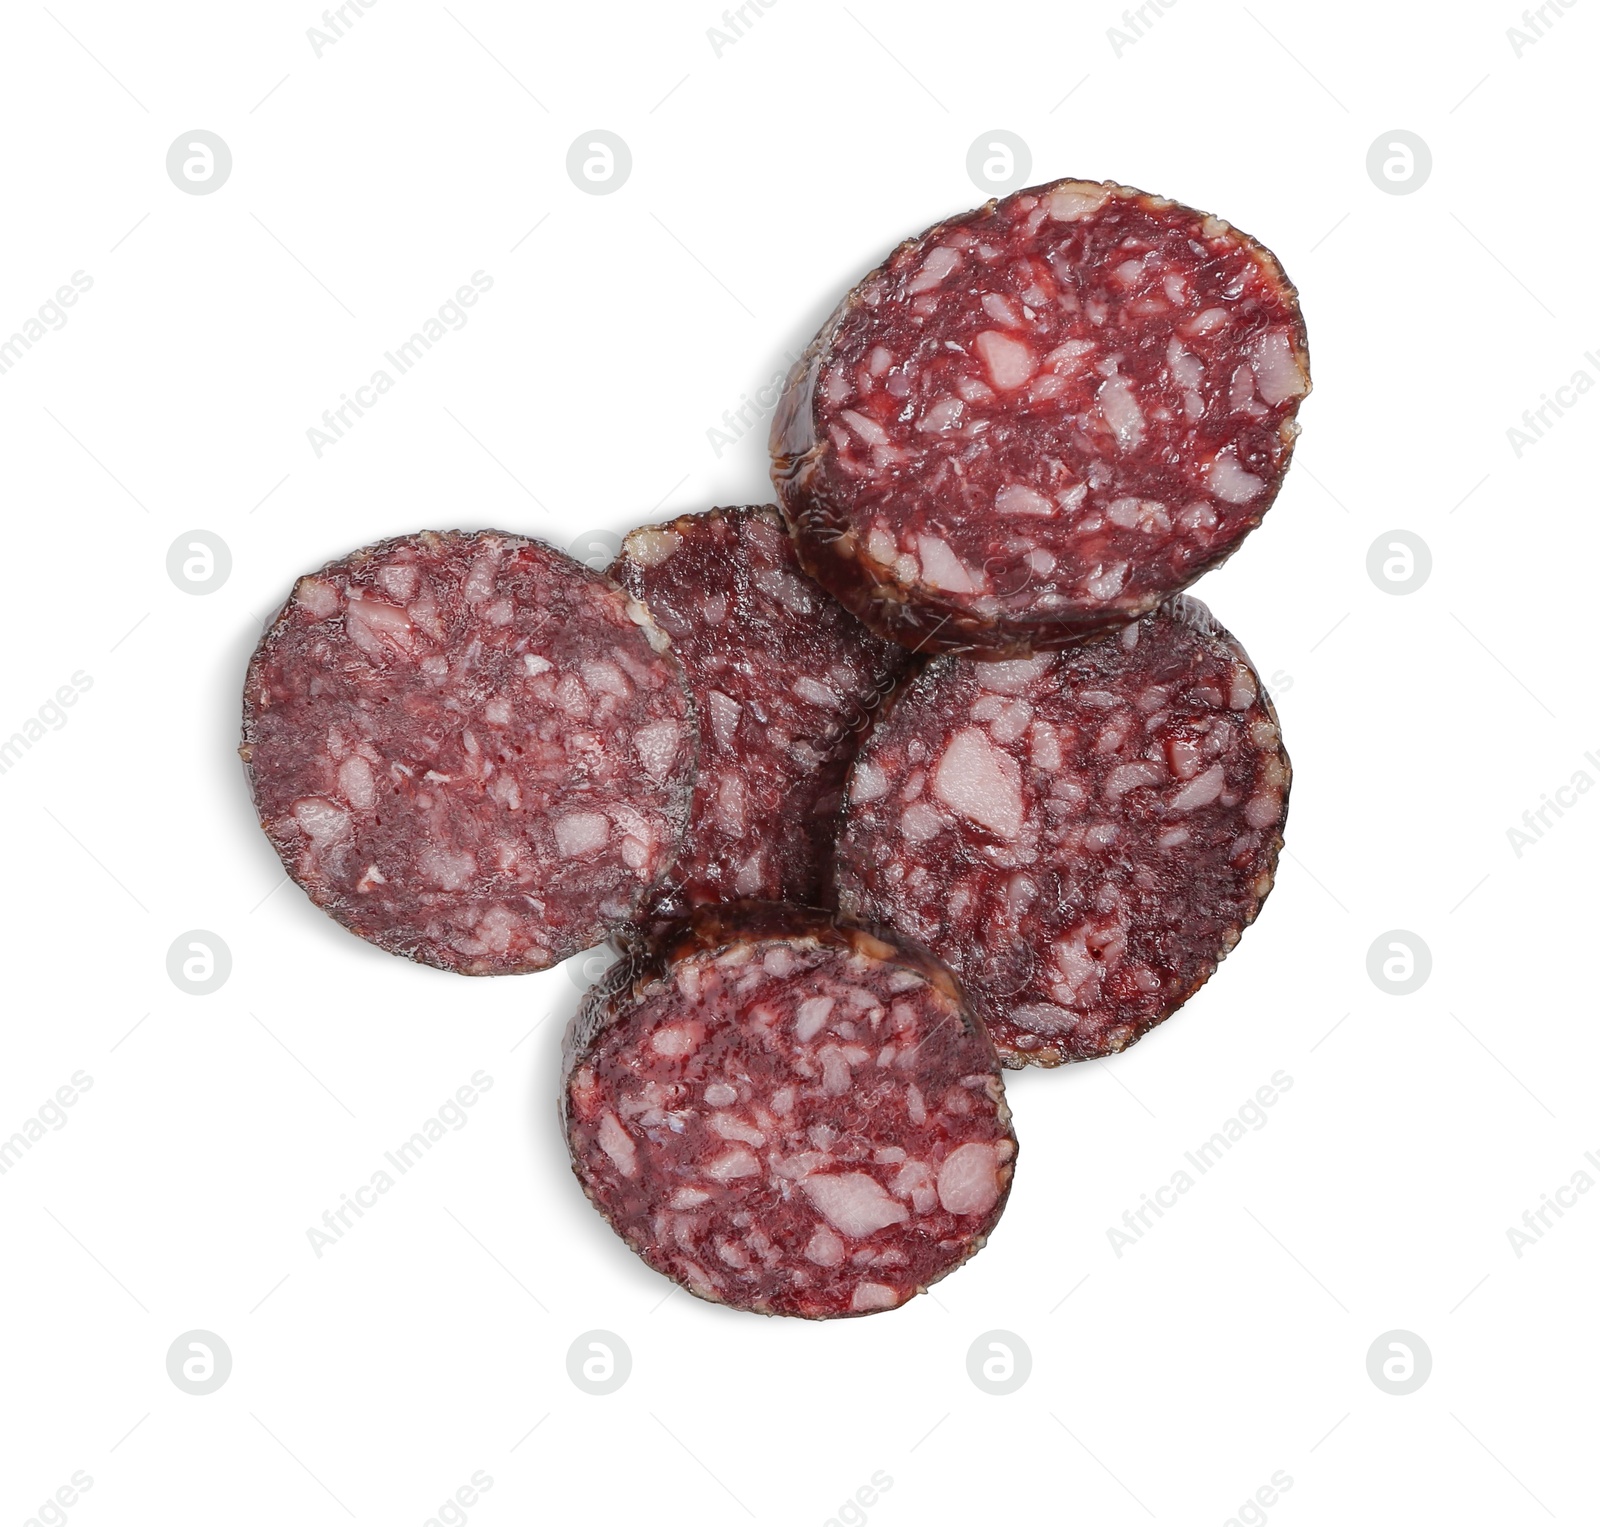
(1082, 835)
(469, 749)
(788, 1115)
(1038, 420)
(785, 681)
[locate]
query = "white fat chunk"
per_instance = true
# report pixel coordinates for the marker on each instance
(1076, 966)
(1202, 790)
(1019, 498)
(316, 598)
(1130, 776)
(1186, 368)
(650, 547)
(803, 1164)
(967, 1180)
(853, 1203)
(920, 821)
(378, 629)
(943, 569)
(881, 547)
(724, 715)
(1067, 356)
(1183, 758)
(980, 782)
(914, 1180)
(1146, 514)
(657, 746)
(943, 414)
(728, 811)
(606, 679)
(1045, 745)
(1106, 582)
(1013, 676)
(916, 1108)
(816, 693)
(1002, 309)
(676, 1039)
(448, 871)
(1242, 392)
(934, 269)
(1008, 361)
(321, 820)
(1277, 370)
(728, 1127)
(1012, 721)
(581, 832)
(810, 1017)
(1120, 410)
(1074, 200)
(866, 429)
(617, 1144)
(356, 782)
(480, 581)
(824, 1248)
(732, 1164)
(748, 880)
(873, 1296)
(1043, 1018)
(868, 783)
(1229, 481)
(1263, 809)
(835, 1071)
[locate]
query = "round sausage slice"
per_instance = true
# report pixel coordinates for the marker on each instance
(1039, 419)
(785, 681)
(469, 749)
(1082, 835)
(788, 1115)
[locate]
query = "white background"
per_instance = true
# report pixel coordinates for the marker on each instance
(368, 184)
